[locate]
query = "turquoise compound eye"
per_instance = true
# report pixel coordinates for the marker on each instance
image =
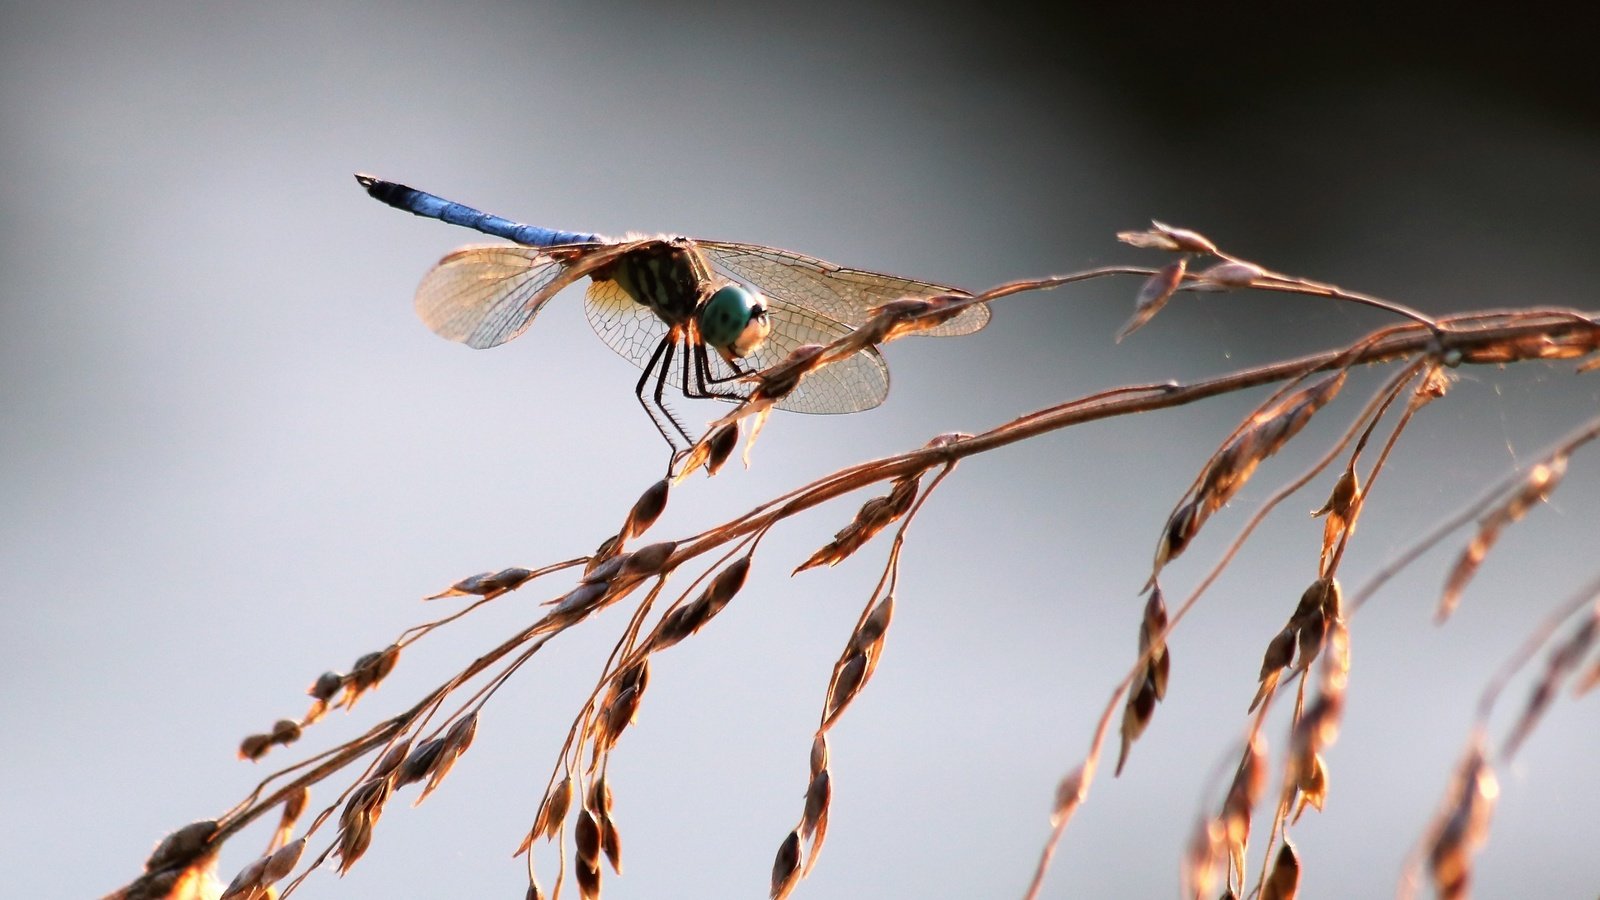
(734, 321)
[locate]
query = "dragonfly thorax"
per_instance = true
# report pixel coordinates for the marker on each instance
(734, 321)
(667, 275)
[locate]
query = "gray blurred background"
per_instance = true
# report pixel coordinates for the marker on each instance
(231, 458)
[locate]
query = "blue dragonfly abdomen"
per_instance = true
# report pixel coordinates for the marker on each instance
(430, 206)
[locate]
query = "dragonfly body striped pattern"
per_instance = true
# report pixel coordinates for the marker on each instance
(661, 301)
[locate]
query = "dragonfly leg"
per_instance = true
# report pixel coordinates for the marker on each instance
(661, 366)
(705, 381)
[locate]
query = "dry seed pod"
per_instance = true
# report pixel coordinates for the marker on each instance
(611, 843)
(454, 743)
(588, 877)
(392, 759)
(294, 806)
(1280, 653)
(1153, 295)
(255, 746)
(1240, 804)
(285, 731)
(1564, 657)
(719, 446)
(554, 810)
(646, 509)
(876, 625)
(586, 837)
(1312, 782)
(1283, 882)
(420, 762)
(1231, 274)
(786, 866)
(581, 600)
(1136, 715)
(247, 882)
(535, 892)
(649, 560)
(1542, 479)
(818, 795)
(326, 685)
(282, 862)
(819, 753)
(778, 380)
(1186, 240)
(605, 571)
(814, 818)
(607, 549)
(1463, 827)
(847, 681)
(182, 847)
(617, 715)
(1206, 849)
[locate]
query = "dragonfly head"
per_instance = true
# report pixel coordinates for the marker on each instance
(734, 321)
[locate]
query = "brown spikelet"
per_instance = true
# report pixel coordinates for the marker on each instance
(1280, 653)
(486, 584)
(1563, 659)
(419, 762)
(1462, 827)
(1262, 435)
(360, 813)
(1239, 805)
(646, 509)
(786, 866)
(776, 381)
(368, 672)
(554, 809)
(1206, 850)
(255, 746)
(1153, 295)
(692, 616)
(248, 882)
(1071, 791)
(1231, 274)
(455, 742)
(648, 560)
(588, 878)
(1542, 479)
(1151, 684)
(814, 819)
(294, 806)
(1283, 882)
(1340, 510)
(873, 517)
(1162, 236)
(1312, 782)
(848, 677)
(283, 861)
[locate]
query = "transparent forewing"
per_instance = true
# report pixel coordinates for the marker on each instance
(485, 296)
(627, 327)
(860, 382)
(849, 385)
(844, 295)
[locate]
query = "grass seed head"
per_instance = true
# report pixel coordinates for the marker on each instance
(647, 509)
(1283, 882)
(420, 762)
(649, 560)
(786, 866)
(1153, 295)
(586, 837)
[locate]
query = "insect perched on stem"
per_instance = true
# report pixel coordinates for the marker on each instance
(661, 301)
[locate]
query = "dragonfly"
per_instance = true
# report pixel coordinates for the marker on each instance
(661, 301)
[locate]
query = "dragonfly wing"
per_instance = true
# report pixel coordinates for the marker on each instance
(844, 295)
(484, 296)
(849, 385)
(860, 382)
(629, 328)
